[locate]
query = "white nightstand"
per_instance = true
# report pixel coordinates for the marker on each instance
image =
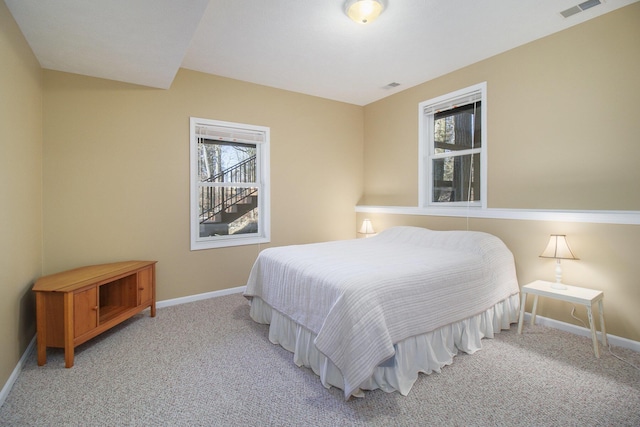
(574, 294)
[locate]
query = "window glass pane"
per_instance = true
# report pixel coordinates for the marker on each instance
(457, 129)
(456, 178)
(228, 210)
(226, 161)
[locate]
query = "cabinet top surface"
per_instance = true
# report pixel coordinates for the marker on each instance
(70, 280)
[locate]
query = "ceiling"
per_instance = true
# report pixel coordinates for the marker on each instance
(308, 46)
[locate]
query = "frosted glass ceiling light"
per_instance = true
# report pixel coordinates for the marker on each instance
(364, 11)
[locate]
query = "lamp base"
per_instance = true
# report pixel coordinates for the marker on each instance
(558, 286)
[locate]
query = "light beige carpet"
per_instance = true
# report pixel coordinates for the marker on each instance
(208, 364)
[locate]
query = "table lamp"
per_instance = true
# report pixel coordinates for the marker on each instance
(367, 228)
(558, 248)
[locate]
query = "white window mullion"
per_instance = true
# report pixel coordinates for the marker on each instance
(457, 153)
(230, 184)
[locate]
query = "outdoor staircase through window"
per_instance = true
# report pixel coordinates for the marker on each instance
(230, 209)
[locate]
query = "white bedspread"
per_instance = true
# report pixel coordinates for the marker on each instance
(361, 296)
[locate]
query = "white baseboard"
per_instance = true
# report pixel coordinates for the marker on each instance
(198, 297)
(16, 371)
(579, 330)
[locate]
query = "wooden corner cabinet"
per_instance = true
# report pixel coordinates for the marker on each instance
(76, 305)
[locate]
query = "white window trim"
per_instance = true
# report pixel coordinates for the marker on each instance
(425, 144)
(264, 217)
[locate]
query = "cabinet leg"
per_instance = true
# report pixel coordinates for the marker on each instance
(68, 357)
(42, 350)
(42, 355)
(41, 329)
(68, 329)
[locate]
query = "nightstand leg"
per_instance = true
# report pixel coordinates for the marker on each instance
(602, 328)
(593, 331)
(533, 312)
(521, 319)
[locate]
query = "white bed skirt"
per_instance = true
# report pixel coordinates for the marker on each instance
(425, 353)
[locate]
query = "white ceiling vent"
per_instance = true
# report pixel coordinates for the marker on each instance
(579, 8)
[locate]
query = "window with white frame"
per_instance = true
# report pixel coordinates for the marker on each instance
(229, 184)
(452, 133)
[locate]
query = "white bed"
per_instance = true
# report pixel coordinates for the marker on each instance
(373, 313)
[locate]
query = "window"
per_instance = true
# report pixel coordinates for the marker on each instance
(229, 184)
(452, 131)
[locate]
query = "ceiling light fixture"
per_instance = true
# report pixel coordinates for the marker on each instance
(364, 11)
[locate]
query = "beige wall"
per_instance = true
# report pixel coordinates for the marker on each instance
(562, 134)
(20, 191)
(562, 122)
(116, 173)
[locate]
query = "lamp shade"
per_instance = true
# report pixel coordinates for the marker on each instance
(367, 227)
(558, 248)
(364, 11)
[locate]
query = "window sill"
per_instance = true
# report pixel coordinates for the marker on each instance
(226, 243)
